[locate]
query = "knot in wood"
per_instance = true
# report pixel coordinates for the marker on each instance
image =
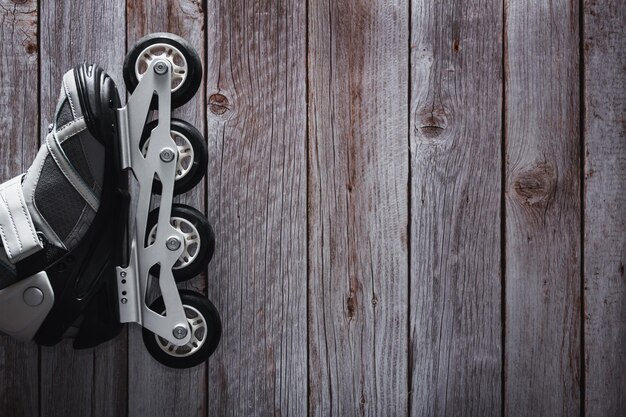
(351, 306)
(31, 48)
(536, 186)
(218, 104)
(456, 45)
(432, 121)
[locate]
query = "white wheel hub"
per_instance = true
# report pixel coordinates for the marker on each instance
(179, 64)
(185, 153)
(198, 329)
(191, 245)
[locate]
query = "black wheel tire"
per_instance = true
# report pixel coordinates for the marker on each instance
(194, 65)
(211, 339)
(200, 155)
(205, 232)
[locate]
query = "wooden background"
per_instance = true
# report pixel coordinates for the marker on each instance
(419, 206)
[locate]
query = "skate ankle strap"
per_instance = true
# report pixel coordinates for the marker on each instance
(17, 230)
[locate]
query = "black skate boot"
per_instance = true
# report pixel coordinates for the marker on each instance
(55, 220)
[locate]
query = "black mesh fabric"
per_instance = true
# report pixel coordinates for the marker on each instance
(65, 114)
(59, 203)
(75, 154)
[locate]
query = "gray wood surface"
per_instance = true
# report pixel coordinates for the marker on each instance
(72, 32)
(358, 208)
(543, 211)
(19, 140)
(605, 208)
(256, 81)
(418, 206)
(456, 133)
(153, 389)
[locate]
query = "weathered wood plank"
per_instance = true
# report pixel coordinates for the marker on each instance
(19, 140)
(73, 32)
(543, 228)
(155, 390)
(456, 132)
(110, 391)
(257, 198)
(605, 216)
(358, 208)
(67, 381)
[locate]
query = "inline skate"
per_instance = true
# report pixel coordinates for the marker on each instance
(91, 231)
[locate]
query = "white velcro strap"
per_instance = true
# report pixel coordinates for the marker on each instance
(16, 226)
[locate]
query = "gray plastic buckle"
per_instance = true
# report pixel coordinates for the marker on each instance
(25, 305)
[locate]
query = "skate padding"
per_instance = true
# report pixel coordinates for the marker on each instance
(17, 230)
(72, 176)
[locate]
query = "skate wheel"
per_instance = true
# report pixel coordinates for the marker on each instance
(186, 64)
(192, 154)
(199, 242)
(206, 330)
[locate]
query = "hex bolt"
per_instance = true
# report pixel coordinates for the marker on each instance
(179, 332)
(124, 300)
(173, 243)
(160, 68)
(167, 155)
(123, 274)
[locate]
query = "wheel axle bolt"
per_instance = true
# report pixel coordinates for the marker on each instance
(179, 332)
(160, 68)
(173, 243)
(167, 155)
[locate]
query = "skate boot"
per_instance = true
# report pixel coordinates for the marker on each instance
(56, 242)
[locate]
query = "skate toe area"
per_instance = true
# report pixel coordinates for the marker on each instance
(99, 100)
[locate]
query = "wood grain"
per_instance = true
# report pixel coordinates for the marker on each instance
(72, 32)
(257, 197)
(358, 208)
(456, 133)
(110, 373)
(543, 213)
(19, 79)
(605, 199)
(396, 191)
(155, 390)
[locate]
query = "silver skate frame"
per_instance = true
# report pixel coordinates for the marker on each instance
(133, 280)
